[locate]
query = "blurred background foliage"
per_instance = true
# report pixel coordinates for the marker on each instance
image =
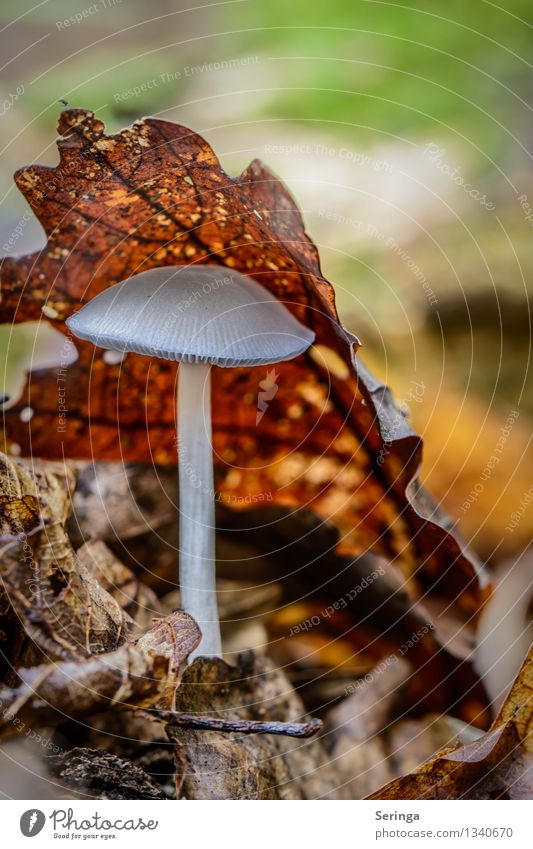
(404, 131)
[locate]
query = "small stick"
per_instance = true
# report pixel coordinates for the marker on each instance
(242, 726)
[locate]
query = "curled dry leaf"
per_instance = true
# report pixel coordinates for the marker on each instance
(142, 675)
(498, 765)
(332, 441)
(63, 608)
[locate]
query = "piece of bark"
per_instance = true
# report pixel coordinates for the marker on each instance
(144, 674)
(102, 775)
(237, 766)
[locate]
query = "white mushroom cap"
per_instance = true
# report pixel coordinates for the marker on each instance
(203, 313)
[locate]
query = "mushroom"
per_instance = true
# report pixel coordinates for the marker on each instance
(198, 316)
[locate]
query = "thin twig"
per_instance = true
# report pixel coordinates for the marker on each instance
(243, 726)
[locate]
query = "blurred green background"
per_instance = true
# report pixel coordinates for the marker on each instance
(405, 132)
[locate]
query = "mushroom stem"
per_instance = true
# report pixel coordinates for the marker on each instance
(197, 506)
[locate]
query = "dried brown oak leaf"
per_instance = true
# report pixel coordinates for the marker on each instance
(143, 674)
(499, 765)
(59, 604)
(332, 441)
